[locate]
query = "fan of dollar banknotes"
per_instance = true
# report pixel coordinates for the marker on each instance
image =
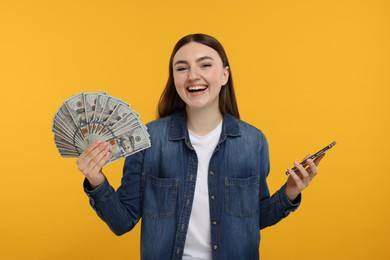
(90, 116)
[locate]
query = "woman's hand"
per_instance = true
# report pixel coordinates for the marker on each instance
(300, 179)
(91, 161)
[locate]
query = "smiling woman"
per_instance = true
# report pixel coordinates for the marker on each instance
(207, 200)
(170, 100)
(199, 75)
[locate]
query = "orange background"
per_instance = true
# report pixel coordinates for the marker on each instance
(306, 73)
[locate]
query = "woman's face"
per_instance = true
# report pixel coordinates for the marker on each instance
(199, 74)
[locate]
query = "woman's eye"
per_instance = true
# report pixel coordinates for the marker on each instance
(206, 65)
(181, 68)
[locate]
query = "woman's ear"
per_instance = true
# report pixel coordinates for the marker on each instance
(225, 76)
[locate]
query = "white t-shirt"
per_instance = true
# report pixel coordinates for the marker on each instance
(198, 240)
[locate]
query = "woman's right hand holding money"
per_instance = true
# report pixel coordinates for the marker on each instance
(91, 161)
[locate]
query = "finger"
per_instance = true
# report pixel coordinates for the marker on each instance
(304, 161)
(96, 157)
(318, 159)
(301, 169)
(306, 157)
(90, 148)
(96, 169)
(99, 164)
(101, 148)
(93, 154)
(312, 170)
(305, 175)
(297, 179)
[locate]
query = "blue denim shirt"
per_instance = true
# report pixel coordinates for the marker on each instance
(158, 186)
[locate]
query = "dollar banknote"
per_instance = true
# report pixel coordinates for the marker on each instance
(90, 116)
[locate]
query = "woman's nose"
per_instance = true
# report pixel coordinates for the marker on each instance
(193, 74)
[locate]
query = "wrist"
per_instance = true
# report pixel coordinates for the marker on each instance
(96, 182)
(291, 194)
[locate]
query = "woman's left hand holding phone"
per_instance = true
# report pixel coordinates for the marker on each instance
(299, 180)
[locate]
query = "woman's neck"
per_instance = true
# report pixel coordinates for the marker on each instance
(203, 121)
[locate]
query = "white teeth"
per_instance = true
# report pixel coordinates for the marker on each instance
(197, 87)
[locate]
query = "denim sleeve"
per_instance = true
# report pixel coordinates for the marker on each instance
(121, 209)
(276, 207)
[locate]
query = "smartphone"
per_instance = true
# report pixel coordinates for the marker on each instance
(322, 151)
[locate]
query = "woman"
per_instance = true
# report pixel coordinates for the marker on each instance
(201, 188)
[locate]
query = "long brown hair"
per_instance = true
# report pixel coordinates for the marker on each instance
(170, 101)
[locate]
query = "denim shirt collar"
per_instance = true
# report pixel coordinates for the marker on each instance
(178, 127)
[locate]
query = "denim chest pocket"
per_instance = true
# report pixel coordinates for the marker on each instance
(160, 195)
(242, 196)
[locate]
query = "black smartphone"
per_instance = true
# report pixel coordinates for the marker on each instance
(322, 151)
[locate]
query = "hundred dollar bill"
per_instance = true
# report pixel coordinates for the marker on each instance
(68, 151)
(66, 154)
(111, 104)
(117, 118)
(64, 146)
(128, 122)
(128, 143)
(61, 142)
(126, 128)
(76, 109)
(59, 133)
(100, 104)
(64, 121)
(64, 126)
(90, 100)
(123, 115)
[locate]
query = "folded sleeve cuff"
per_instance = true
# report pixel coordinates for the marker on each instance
(101, 193)
(286, 204)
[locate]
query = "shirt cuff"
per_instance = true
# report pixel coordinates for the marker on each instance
(286, 204)
(101, 193)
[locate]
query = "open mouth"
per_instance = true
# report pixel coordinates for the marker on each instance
(193, 89)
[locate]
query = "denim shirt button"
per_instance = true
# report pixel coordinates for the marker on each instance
(215, 247)
(91, 201)
(212, 197)
(212, 173)
(214, 222)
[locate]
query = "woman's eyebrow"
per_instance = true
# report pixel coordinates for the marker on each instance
(204, 58)
(180, 62)
(197, 60)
